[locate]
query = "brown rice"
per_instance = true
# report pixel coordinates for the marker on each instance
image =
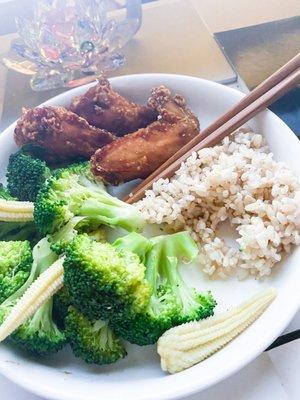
(238, 181)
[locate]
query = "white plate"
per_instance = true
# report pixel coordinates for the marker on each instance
(139, 377)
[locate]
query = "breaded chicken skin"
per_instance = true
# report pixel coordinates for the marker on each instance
(59, 135)
(106, 109)
(138, 154)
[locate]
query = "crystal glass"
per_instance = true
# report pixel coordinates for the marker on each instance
(69, 42)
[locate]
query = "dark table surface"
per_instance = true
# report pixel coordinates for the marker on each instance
(258, 51)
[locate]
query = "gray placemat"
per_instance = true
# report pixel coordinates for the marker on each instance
(258, 51)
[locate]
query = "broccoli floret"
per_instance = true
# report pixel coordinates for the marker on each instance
(26, 175)
(92, 340)
(39, 334)
(111, 283)
(103, 280)
(71, 193)
(61, 302)
(4, 193)
(15, 266)
(172, 301)
(163, 259)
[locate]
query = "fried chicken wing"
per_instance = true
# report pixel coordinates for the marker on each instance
(59, 135)
(138, 154)
(106, 109)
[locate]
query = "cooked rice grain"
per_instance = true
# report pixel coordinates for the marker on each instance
(237, 181)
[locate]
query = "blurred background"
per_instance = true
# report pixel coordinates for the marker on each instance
(238, 43)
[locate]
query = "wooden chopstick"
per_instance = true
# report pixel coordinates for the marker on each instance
(261, 97)
(262, 88)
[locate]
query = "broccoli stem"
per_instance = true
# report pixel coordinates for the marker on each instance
(65, 235)
(43, 256)
(73, 192)
(152, 273)
(42, 319)
(163, 261)
(135, 243)
(113, 212)
(185, 295)
(103, 335)
(92, 340)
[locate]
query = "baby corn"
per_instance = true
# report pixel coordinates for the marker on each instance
(48, 283)
(16, 211)
(188, 344)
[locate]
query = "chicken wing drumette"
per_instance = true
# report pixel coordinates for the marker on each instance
(138, 154)
(58, 135)
(106, 109)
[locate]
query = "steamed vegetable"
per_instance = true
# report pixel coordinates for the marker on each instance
(15, 266)
(26, 175)
(103, 281)
(44, 286)
(16, 219)
(172, 301)
(188, 344)
(38, 333)
(140, 301)
(73, 193)
(92, 340)
(33, 299)
(16, 211)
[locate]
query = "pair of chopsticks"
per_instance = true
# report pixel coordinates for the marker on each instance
(274, 87)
